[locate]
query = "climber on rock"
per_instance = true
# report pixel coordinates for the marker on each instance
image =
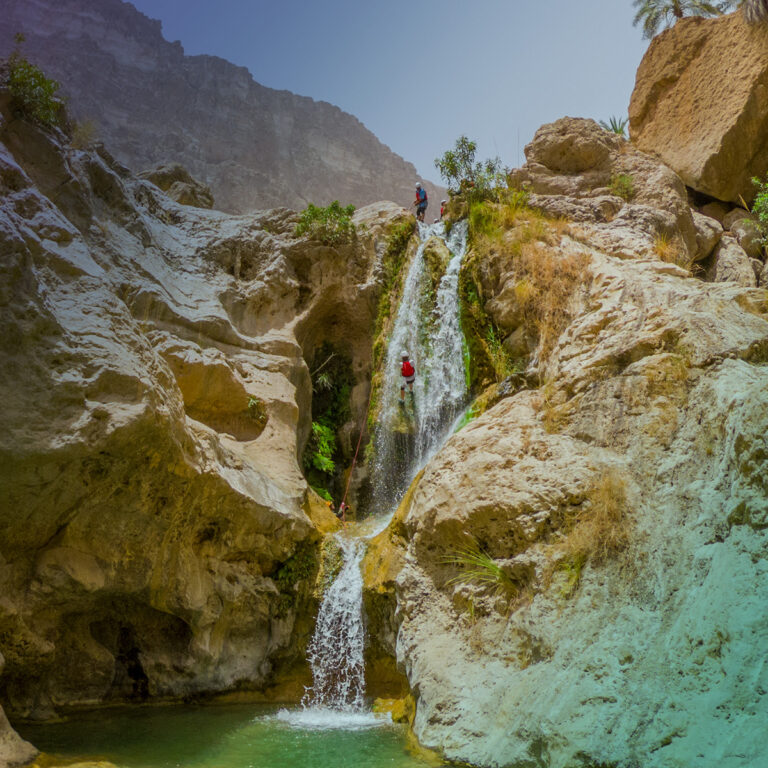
(420, 202)
(443, 206)
(409, 376)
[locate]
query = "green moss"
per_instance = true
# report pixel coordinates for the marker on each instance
(623, 185)
(295, 575)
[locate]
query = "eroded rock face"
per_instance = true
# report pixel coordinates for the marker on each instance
(156, 532)
(579, 171)
(701, 104)
(600, 645)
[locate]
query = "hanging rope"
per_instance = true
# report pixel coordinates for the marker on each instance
(343, 504)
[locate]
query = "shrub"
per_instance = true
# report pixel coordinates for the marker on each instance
(623, 185)
(760, 207)
(672, 251)
(478, 568)
(615, 125)
(501, 361)
(599, 531)
(320, 450)
(477, 179)
(33, 93)
(331, 225)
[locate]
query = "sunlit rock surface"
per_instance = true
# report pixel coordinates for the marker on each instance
(156, 400)
(653, 404)
(700, 104)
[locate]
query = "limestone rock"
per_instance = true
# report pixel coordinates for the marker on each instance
(700, 103)
(179, 185)
(157, 399)
(749, 237)
(708, 234)
(736, 216)
(255, 147)
(731, 264)
(716, 210)
(658, 385)
(14, 751)
(577, 170)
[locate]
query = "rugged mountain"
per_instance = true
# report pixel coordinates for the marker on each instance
(254, 146)
(157, 537)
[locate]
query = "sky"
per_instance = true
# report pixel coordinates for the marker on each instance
(420, 74)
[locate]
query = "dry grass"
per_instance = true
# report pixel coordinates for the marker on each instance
(600, 530)
(546, 283)
(672, 250)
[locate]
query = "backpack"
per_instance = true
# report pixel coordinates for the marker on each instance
(408, 369)
(423, 195)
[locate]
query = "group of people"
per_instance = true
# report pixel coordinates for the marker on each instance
(422, 202)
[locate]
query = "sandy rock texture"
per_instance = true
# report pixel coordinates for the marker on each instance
(179, 185)
(157, 537)
(700, 103)
(621, 505)
(152, 105)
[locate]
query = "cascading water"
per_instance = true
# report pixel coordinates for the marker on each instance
(406, 437)
(336, 651)
(428, 326)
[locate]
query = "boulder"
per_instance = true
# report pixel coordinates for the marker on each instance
(715, 210)
(14, 751)
(179, 185)
(708, 234)
(749, 237)
(731, 264)
(700, 104)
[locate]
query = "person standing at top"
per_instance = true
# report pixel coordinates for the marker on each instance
(443, 206)
(409, 376)
(420, 202)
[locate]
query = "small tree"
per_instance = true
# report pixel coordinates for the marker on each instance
(463, 173)
(331, 225)
(33, 93)
(760, 207)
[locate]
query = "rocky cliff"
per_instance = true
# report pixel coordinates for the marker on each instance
(256, 147)
(157, 537)
(700, 104)
(617, 510)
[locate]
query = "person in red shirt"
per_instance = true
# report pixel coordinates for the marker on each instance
(409, 376)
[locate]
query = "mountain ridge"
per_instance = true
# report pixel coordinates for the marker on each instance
(257, 147)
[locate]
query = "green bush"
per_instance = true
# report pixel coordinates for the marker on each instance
(760, 207)
(615, 125)
(478, 180)
(331, 225)
(33, 93)
(320, 450)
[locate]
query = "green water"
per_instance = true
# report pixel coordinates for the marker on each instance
(221, 737)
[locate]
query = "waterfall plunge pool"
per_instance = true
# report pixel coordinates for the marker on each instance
(242, 736)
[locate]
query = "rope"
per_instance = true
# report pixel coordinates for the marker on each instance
(354, 460)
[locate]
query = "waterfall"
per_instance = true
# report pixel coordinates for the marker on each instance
(336, 651)
(428, 326)
(430, 331)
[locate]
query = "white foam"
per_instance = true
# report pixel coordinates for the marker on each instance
(324, 719)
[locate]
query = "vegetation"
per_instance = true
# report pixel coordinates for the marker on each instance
(760, 207)
(477, 180)
(656, 14)
(623, 185)
(672, 250)
(34, 94)
(755, 11)
(478, 568)
(615, 125)
(257, 411)
(600, 530)
(331, 225)
(331, 387)
(301, 566)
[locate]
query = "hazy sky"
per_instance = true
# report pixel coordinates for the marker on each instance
(421, 73)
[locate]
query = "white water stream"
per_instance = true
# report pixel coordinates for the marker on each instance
(428, 326)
